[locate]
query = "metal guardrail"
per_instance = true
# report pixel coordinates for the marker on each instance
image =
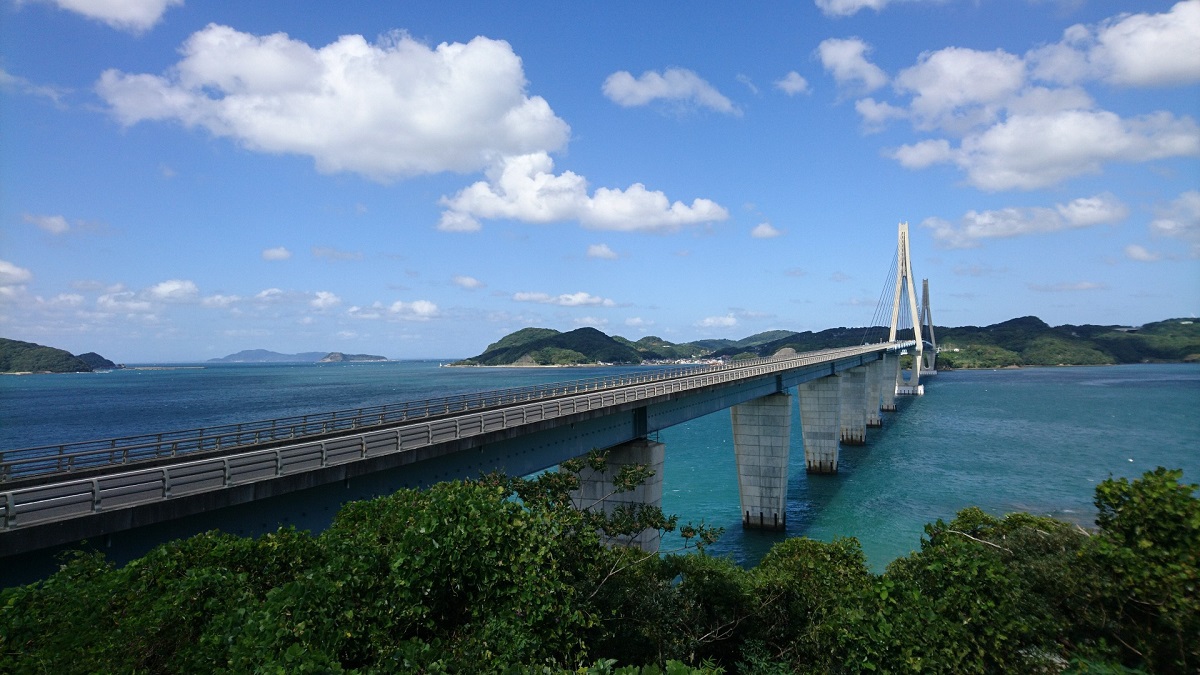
(72, 498)
(67, 457)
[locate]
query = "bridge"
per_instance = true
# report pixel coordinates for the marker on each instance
(55, 495)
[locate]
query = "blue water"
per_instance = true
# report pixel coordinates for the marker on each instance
(1036, 439)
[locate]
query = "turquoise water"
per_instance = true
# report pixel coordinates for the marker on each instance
(1035, 439)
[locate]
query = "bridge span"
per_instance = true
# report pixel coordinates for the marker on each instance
(64, 494)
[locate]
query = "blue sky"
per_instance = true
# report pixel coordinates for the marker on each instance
(181, 180)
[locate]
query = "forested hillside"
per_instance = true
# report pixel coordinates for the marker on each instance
(26, 357)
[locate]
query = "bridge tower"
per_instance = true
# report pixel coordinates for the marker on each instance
(904, 286)
(929, 365)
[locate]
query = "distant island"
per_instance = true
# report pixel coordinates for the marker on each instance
(265, 356)
(338, 357)
(1025, 341)
(28, 357)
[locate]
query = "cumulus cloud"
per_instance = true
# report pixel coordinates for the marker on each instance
(1014, 222)
(1068, 287)
(765, 231)
(1181, 220)
(469, 283)
(387, 110)
(601, 251)
(727, 321)
(1136, 50)
(417, 310)
(849, 7)
(52, 224)
(124, 302)
(960, 88)
(330, 253)
(525, 188)
(219, 301)
(593, 321)
(1139, 253)
(846, 60)
(580, 299)
(135, 16)
(277, 253)
(678, 86)
(324, 300)
(269, 295)
(173, 290)
(792, 83)
(638, 322)
(12, 279)
(1040, 150)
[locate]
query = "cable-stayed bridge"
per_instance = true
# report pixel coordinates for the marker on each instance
(55, 495)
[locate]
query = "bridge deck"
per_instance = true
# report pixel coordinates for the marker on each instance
(140, 473)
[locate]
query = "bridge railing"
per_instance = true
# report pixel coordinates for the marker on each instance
(68, 457)
(71, 498)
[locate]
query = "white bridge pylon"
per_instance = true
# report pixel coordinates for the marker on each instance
(905, 287)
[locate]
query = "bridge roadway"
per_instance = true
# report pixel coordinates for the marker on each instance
(62, 494)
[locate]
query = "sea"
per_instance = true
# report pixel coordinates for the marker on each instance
(1031, 439)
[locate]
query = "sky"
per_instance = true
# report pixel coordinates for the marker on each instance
(181, 180)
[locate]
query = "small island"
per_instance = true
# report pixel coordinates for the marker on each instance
(17, 357)
(338, 357)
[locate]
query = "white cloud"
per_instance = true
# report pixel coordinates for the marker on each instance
(1139, 253)
(792, 83)
(638, 322)
(330, 253)
(269, 295)
(469, 283)
(1140, 50)
(765, 231)
(392, 109)
(277, 253)
(1035, 151)
(727, 321)
(219, 300)
(12, 279)
(417, 310)
(849, 7)
(1014, 222)
(173, 290)
(959, 88)
(525, 188)
(593, 321)
(580, 299)
(51, 224)
(601, 251)
(846, 60)
(324, 300)
(1181, 220)
(135, 16)
(1068, 287)
(24, 86)
(675, 85)
(123, 302)
(876, 114)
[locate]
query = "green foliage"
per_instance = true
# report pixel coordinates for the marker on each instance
(547, 347)
(556, 356)
(954, 355)
(27, 357)
(1052, 351)
(509, 575)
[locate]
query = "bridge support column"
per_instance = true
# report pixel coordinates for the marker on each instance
(854, 406)
(761, 440)
(889, 378)
(596, 489)
(820, 414)
(874, 388)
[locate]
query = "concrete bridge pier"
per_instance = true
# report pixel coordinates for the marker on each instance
(596, 489)
(854, 406)
(820, 422)
(761, 442)
(890, 378)
(874, 388)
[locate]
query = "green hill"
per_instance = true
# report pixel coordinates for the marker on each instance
(544, 347)
(27, 357)
(1024, 341)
